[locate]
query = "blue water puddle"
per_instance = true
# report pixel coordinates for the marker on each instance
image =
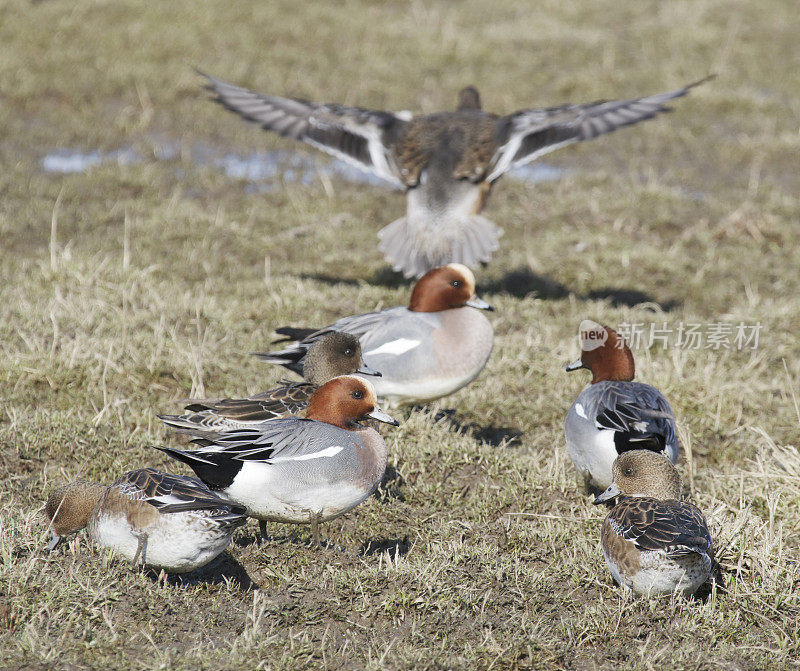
(72, 160)
(538, 172)
(265, 170)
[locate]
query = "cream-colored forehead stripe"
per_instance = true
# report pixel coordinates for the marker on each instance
(371, 396)
(465, 272)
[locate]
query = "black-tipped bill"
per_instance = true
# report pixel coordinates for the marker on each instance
(366, 370)
(382, 416)
(479, 304)
(611, 493)
(575, 365)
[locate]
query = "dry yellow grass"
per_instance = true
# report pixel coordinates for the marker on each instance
(131, 285)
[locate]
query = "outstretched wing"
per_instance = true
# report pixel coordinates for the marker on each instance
(359, 136)
(172, 493)
(528, 134)
(675, 527)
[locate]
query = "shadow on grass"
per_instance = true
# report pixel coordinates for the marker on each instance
(391, 487)
(396, 547)
(630, 298)
(299, 537)
(491, 435)
(383, 277)
(519, 283)
(522, 282)
(222, 570)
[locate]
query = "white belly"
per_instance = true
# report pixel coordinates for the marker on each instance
(179, 543)
(274, 494)
(592, 450)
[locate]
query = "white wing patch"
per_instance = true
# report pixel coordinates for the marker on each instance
(396, 347)
(581, 412)
(168, 499)
(331, 451)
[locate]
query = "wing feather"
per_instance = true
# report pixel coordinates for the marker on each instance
(528, 134)
(359, 136)
(172, 493)
(675, 527)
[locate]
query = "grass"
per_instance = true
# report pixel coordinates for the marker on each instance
(128, 287)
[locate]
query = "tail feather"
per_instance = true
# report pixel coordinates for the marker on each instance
(290, 358)
(414, 249)
(183, 422)
(217, 471)
(293, 333)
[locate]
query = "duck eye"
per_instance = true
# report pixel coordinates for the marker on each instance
(357, 394)
(348, 352)
(455, 283)
(629, 472)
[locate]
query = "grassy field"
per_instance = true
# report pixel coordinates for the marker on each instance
(148, 277)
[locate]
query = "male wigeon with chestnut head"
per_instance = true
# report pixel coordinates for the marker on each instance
(614, 414)
(301, 470)
(446, 162)
(432, 348)
(332, 355)
(653, 542)
(158, 520)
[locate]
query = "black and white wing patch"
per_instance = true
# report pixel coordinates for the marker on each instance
(220, 456)
(528, 134)
(639, 416)
(172, 493)
(359, 136)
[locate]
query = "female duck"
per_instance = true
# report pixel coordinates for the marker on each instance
(653, 542)
(159, 520)
(332, 355)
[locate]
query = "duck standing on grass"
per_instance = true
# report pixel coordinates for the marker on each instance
(154, 519)
(653, 542)
(614, 414)
(432, 348)
(445, 162)
(333, 355)
(299, 470)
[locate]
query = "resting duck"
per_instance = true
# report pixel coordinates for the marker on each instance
(614, 414)
(299, 470)
(653, 542)
(432, 348)
(332, 355)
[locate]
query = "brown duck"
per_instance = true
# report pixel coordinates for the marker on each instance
(445, 162)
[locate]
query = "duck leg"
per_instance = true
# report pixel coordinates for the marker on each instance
(262, 531)
(315, 529)
(141, 551)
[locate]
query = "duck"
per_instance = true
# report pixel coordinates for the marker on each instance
(654, 543)
(299, 470)
(445, 162)
(154, 519)
(614, 414)
(433, 347)
(330, 356)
